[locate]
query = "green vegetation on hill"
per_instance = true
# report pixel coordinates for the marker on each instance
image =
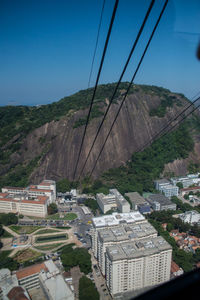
(166, 101)
(144, 167)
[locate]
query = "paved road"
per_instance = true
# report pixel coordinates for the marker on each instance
(99, 280)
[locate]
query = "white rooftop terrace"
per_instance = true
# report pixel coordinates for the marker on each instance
(117, 218)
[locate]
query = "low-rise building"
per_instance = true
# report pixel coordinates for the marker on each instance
(106, 202)
(170, 190)
(176, 270)
(9, 287)
(113, 201)
(48, 276)
(122, 203)
(136, 265)
(186, 191)
(190, 217)
(138, 202)
(160, 183)
(23, 205)
(160, 202)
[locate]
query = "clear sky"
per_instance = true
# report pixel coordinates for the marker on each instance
(46, 47)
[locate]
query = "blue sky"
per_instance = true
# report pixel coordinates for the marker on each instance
(46, 47)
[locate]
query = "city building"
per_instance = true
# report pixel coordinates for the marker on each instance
(30, 201)
(176, 270)
(160, 202)
(190, 217)
(29, 277)
(137, 264)
(186, 191)
(109, 221)
(54, 284)
(106, 202)
(9, 287)
(160, 183)
(122, 204)
(113, 201)
(45, 188)
(120, 234)
(186, 181)
(138, 203)
(170, 190)
(48, 276)
(23, 205)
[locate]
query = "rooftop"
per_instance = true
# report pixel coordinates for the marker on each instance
(17, 293)
(165, 181)
(191, 188)
(136, 198)
(137, 249)
(126, 232)
(174, 267)
(30, 271)
(159, 198)
(38, 200)
(117, 218)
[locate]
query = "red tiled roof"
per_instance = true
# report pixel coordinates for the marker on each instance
(17, 293)
(13, 188)
(174, 267)
(3, 195)
(190, 188)
(45, 183)
(30, 271)
(41, 200)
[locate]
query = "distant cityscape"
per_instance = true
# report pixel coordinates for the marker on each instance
(128, 254)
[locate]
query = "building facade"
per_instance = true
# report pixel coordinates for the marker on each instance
(136, 265)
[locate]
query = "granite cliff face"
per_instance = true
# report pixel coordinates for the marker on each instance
(57, 142)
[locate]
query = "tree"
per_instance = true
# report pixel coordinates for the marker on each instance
(87, 289)
(63, 185)
(52, 209)
(8, 219)
(180, 185)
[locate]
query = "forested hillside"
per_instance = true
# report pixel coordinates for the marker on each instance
(43, 142)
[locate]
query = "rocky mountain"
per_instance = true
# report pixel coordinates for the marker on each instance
(43, 142)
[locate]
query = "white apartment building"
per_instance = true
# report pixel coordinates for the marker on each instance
(120, 234)
(21, 204)
(136, 265)
(109, 221)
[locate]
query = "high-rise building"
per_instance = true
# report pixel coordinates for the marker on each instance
(136, 265)
(130, 254)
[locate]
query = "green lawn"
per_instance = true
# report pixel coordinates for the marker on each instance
(43, 231)
(51, 238)
(48, 247)
(68, 216)
(24, 229)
